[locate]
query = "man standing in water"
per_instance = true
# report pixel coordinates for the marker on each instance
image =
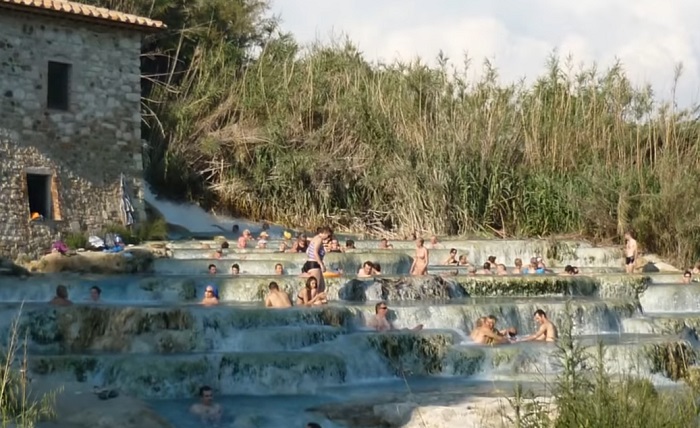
(630, 252)
(208, 411)
(420, 260)
(547, 331)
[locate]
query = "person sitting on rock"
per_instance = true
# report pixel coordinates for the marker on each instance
(463, 260)
(279, 269)
(61, 298)
(208, 411)
(452, 258)
(547, 331)
(309, 295)
(380, 322)
(211, 297)
(366, 271)
(276, 298)
(484, 334)
(212, 269)
(509, 332)
(385, 245)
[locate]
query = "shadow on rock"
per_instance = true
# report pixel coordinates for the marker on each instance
(8, 268)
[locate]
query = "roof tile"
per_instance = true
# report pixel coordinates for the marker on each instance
(81, 9)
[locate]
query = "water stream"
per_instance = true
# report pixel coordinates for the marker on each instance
(151, 339)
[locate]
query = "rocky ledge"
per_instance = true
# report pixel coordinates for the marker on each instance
(130, 261)
(425, 410)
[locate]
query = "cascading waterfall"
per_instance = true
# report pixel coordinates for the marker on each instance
(149, 337)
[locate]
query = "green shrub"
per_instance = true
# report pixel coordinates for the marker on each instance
(17, 407)
(586, 395)
(76, 240)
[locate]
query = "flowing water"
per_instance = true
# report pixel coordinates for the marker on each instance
(150, 338)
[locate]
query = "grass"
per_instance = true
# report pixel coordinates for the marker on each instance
(311, 135)
(306, 137)
(586, 395)
(18, 407)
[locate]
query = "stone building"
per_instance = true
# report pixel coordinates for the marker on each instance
(70, 121)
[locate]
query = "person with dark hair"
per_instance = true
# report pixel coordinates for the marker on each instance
(277, 298)
(208, 411)
(61, 298)
(547, 331)
(212, 269)
(380, 322)
(313, 425)
(211, 296)
(687, 277)
(315, 253)
(95, 294)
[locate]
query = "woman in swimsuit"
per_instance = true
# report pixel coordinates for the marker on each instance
(310, 295)
(315, 253)
(420, 262)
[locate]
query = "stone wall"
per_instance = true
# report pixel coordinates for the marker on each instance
(84, 148)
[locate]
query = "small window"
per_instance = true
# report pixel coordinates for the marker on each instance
(58, 86)
(40, 197)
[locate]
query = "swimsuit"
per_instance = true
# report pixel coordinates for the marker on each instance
(629, 260)
(312, 263)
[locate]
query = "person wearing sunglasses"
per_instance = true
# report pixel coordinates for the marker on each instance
(380, 322)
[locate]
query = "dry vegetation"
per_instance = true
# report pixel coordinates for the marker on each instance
(305, 136)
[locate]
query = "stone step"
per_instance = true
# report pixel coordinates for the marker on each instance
(354, 360)
(678, 298)
(242, 288)
(102, 328)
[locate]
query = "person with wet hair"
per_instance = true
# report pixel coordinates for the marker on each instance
(61, 297)
(277, 298)
(206, 409)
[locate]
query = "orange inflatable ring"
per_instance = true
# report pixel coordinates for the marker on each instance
(331, 275)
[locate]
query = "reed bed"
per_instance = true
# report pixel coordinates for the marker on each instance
(246, 120)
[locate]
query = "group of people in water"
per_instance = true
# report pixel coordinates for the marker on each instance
(486, 333)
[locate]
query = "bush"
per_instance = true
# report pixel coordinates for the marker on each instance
(588, 396)
(147, 231)
(17, 408)
(76, 240)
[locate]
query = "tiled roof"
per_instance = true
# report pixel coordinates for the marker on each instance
(80, 10)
